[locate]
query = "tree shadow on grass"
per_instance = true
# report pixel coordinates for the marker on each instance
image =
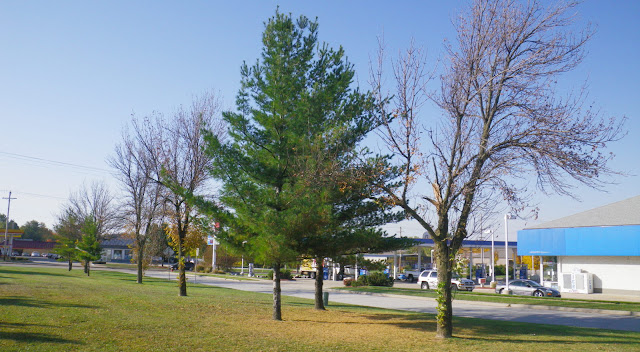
(4, 270)
(491, 331)
(33, 337)
(498, 331)
(4, 326)
(11, 331)
(32, 302)
(487, 331)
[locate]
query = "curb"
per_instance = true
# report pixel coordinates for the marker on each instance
(505, 305)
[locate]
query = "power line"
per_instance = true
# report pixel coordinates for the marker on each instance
(55, 162)
(34, 194)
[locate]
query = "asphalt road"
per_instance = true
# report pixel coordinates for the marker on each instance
(304, 288)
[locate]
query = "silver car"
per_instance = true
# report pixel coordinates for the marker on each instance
(528, 288)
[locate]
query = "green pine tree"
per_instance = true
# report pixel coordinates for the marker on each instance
(67, 232)
(290, 174)
(88, 247)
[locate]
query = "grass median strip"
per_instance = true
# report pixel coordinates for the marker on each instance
(46, 309)
(496, 298)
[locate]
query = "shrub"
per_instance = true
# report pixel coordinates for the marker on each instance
(362, 281)
(378, 278)
(285, 274)
(347, 281)
(203, 268)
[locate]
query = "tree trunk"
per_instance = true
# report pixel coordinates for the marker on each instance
(140, 252)
(70, 264)
(319, 282)
(444, 316)
(86, 267)
(182, 278)
(139, 270)
(277, 303)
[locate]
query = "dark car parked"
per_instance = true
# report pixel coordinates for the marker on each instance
(187, 266)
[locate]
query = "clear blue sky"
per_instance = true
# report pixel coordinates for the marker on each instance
(73, 72)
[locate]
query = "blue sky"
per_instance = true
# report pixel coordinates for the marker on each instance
(73, 72)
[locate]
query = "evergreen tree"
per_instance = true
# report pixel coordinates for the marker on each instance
(290, 178)
(355, 213)
(66, 249)
(68, 232)
(88, 247)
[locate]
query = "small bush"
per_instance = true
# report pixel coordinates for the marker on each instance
(202, 268)
(362, 281)
(378, 278)
(375, 278)
(284, 275)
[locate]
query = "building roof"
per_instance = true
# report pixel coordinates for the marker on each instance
(427, 242)
(625, 212)
(28, 244)
(116, 242)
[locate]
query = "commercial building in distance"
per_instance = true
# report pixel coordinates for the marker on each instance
(597, 250)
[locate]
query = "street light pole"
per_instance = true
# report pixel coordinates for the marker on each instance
(493, 269)
(432, 259)
(507, 217)
(242, 269)
(356, 273)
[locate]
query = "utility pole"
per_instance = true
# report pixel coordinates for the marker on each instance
(6, 226)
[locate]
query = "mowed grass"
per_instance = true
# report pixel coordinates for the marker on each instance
(505, 299)
(47, 309)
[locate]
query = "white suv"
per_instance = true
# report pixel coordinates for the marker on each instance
(429, 279)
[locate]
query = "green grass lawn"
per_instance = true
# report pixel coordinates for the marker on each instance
(496, 298)
(46, 309)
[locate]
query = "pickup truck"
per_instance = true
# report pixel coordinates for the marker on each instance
(409, 275)
(429, 279)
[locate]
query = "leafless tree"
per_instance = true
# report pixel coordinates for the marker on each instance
(175, 147)
(142, 208)
(504, 121)
(95, 202)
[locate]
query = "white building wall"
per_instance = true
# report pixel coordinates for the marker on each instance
(610, 274)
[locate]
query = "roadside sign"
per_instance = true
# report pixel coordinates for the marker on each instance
(211, 240)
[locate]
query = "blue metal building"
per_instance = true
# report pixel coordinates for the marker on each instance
(603, 242)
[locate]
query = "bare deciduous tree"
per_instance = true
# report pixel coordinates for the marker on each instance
(142, 208)
(175, 147)
(504, 121)
(96, 203)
